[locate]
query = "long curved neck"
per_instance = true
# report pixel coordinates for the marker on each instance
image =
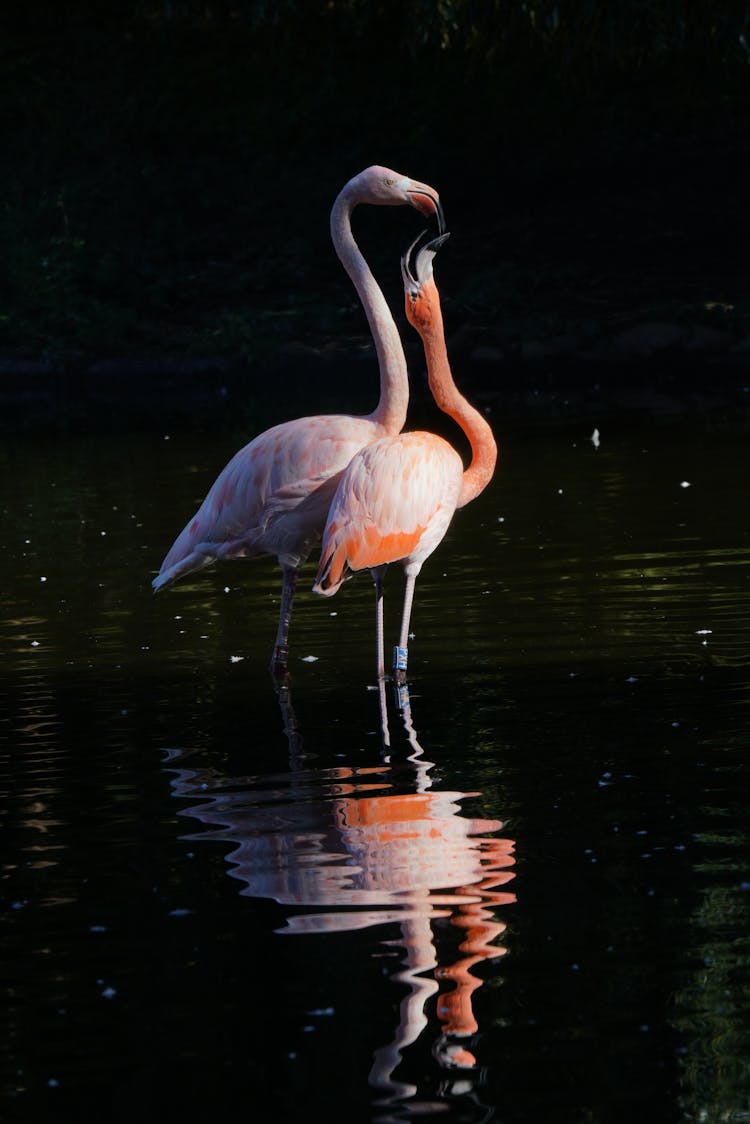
(450, 400)
(390, 413)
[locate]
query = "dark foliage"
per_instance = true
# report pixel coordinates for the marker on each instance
(172, 164)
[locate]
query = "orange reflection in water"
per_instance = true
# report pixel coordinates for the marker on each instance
(373, 846)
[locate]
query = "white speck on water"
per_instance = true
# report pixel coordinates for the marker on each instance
(310, 659)
(42, 579)
(704, 632)
(334, 614)
(53, 1083)
(632, 679)
(322, 1011)
(34, 643)
(227, 589)
(684, 483)
(180, 912)
(166, 436)
(109, 992)
(97, 928)
(595, 440)
(236, 659)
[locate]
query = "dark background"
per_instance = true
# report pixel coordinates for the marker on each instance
(170, 167)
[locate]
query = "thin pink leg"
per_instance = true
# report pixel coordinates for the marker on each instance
(377, 577)
(384, 731)
(401, 654)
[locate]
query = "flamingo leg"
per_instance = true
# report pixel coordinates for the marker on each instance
(384, 731)
(401, 653)
(377, 577)
(280, 658)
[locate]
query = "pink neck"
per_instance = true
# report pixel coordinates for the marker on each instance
(390, 413)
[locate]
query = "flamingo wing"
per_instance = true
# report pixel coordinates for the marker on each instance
(271, 498)
(393, 503)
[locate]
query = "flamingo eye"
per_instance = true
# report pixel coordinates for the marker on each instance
(389, 182)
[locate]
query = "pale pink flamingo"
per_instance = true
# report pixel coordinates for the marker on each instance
(273, 495)
(396, 499)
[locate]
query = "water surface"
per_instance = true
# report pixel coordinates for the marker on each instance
(517, 892)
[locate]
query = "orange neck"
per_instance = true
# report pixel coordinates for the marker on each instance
(450, 400)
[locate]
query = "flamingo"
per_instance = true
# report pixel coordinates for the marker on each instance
(398, 495)
(273, 495)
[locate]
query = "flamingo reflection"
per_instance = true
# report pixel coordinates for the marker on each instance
(371, 845)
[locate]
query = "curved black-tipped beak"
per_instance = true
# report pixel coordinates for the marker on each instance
(433, 207)
(410, 281)
(435, 244)
(416, 263)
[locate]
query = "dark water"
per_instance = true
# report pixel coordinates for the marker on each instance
(531, 905)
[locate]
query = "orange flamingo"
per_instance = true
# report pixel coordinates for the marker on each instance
(273, 495)
(397, 497)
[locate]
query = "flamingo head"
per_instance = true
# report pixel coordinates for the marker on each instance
(419, 284)
(384, 187)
